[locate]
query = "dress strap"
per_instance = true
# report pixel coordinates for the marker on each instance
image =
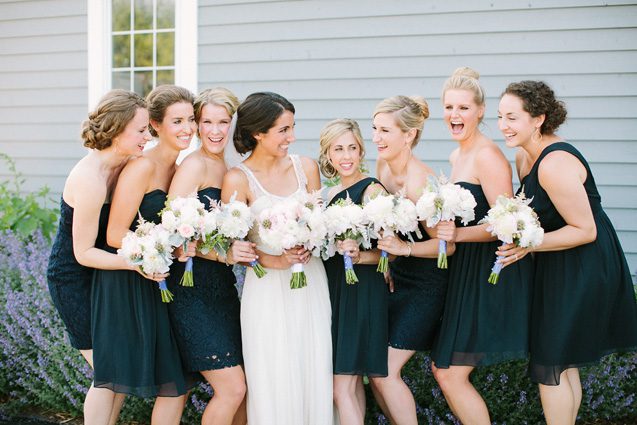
(253, 183)
(298, 170)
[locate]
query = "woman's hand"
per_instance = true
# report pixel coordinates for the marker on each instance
(511, 253)
(296, 255)
(242, 252)
(157, 277)
(351, 248)
(394, 245)
(446, 231)
(182, 254)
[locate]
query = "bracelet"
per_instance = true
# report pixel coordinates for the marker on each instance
(409, 245)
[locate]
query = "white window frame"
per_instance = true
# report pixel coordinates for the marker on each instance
(100, 54)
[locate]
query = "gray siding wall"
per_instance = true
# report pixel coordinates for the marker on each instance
(338, 59)
(43, 88)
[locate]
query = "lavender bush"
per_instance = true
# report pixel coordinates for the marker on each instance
(39, 368)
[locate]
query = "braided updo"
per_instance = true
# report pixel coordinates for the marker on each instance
(537, 99)
(109, 119)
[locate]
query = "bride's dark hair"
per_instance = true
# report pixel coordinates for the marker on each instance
(257, 114)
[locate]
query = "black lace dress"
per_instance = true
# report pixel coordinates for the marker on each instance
(206, 316)
(415, 306)
(69, 281)
(482, 323)
(359, 311)
(134, 348)
(583, 301)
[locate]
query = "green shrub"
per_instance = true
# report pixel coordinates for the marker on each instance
(24, 213)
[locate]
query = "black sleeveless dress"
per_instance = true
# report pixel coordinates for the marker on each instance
(206, 316)
(134, 348)
(482, 323)
(583, 301)
(415, 306)
(359, 311)
(69, 281)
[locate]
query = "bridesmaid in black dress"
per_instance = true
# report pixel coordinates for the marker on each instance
(583, 302)
(415, 306)
(359, 311)
(206, 316)
(114, 131)
(482, 323)
(135, 349)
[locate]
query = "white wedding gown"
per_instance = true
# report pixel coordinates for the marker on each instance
(286, 335)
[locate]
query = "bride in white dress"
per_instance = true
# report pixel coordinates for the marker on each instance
(286, 333)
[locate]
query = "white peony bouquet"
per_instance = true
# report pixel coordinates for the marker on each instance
(387, 215)
(294, 221)
(346, 220)
(184, 218)
(512, 220)
(232, 221)
(149, 248)
(442, 200)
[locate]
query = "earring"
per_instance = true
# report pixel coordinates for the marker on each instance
(537, 136)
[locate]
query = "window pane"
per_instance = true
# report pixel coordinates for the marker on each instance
(143, 82)
(143, 14)
(166, 76)
(121, 51)
(143, 50)
(165, 49)
(165, 14)
(121, 80)
(121, 15)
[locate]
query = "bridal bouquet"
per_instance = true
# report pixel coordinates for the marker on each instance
(346, 220)
(232, 221)
(294, 221)
(512, 220)
(184, 217)
(149, 248)
(442, 200)
(390, 214)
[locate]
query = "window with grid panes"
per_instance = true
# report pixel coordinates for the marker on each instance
(143, 44)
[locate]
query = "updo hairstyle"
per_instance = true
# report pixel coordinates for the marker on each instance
(257, 114)
(161, 97)
(465, 78)
(109, 119)
(409, 112)
(537, 99)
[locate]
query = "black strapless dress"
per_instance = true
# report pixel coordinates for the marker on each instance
(206, 316)
(69, 281)
(415, 306)
(482, 323)
(134, 348)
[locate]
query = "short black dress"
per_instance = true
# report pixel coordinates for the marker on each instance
(583, 301)
(483, 323)
(415, 306)
(134, 348)
(69, 281)
(206, 316)
(359, 311)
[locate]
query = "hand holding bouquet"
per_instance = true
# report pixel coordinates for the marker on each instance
(294, 221)
(232, 221)
(390, 214)
(346, 220)
(184, 218)
(512, 220)
(442, 200)
(149, 248)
